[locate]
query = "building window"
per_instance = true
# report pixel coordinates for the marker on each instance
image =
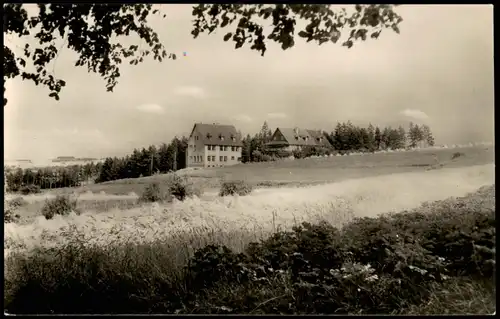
(221, 148)
(208, 158)
(220, 158)
(232, 158)
(225, 158)
(221, 137)
(213, 158)
(239, 159)
(196, 138)
(233, 148)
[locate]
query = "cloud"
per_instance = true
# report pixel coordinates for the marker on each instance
(191, 91)
(243, 118)
(276, 115)
(416, 114)
(151, 108)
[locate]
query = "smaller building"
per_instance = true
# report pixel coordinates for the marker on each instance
(213, 145)
(291, 139)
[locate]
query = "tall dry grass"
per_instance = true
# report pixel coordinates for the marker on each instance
(255, 216)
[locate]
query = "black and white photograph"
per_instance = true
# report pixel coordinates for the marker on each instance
(249, 159)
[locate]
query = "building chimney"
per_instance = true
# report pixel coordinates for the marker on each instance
(296, 131)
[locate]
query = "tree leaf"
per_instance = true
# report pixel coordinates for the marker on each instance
(304, 34)
(375, 34)
(228, 36)
(348, 44)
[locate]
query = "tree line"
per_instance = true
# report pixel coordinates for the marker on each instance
(146, 162)
(345, 138)
(51, 177)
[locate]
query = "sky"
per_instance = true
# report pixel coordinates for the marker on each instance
(437, 71)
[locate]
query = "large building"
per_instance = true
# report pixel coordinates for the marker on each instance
(291, 139)
(213, 145)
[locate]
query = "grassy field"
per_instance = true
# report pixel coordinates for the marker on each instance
(257, 214)
(136, 262)
(145, 258)
(309, 171)
(123, 194)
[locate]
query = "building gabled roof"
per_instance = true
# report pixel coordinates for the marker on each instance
(301, 137)
(216, 134)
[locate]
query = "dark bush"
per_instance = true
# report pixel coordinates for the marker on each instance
(29, 189)
(229, 188)
(214, 264)
(10, 214)
(180, 187)
(152, 193)
(61, 205)
(457, 155)
(16, 202)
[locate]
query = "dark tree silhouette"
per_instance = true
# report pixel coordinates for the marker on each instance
(88, 30)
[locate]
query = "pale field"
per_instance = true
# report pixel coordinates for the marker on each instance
(224, 220)
(122, 194)
(309, 171)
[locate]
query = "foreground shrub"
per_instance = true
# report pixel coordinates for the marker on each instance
(229, 188)
(457, 155)
(181, 187)
(16, 202)
(10, 210)
(10, 215)
(29, 189)
(61, 205)
(152, 193)
(371, 266)
(178, 187)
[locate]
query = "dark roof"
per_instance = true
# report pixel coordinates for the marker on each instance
(295, 136)
(210, 134)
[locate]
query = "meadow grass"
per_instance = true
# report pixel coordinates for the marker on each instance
(128, 277)
(133, 261)
(309, 171)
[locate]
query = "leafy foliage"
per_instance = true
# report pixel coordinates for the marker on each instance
(180, 187)
(93, 31)
(457, 155)
(11, 207)
(29, 189)
(145, 162)
(18, 180)
(152, 193)
(324, 23)
(88, 30)
(60, 205)
(235, 187)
